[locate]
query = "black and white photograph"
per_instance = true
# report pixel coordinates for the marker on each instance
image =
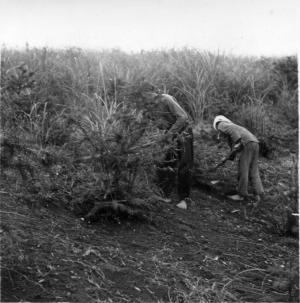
(149, 151)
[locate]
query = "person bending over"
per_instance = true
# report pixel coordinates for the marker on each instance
(169, 116)
(244, 143)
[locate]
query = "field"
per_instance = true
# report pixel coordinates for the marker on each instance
(74, 145)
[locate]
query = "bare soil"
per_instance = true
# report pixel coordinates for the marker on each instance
(216, 250)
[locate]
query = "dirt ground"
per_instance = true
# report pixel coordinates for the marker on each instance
(216, 250)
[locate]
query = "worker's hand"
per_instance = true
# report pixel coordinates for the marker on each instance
(232, 157)
(224, 159)
(237, 146)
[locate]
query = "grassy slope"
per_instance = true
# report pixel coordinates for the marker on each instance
(216, 250)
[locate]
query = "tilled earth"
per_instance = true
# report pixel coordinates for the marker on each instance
(216, 250)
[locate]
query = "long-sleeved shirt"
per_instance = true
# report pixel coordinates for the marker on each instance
(235, 132)
(169, 115)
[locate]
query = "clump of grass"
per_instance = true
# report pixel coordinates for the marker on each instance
(194, 78)
(253, 117)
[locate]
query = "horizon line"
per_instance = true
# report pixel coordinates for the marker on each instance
(228, 53)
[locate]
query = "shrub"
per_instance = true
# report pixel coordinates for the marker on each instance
(119, 149)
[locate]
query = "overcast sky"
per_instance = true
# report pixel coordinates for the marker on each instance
(243, 27)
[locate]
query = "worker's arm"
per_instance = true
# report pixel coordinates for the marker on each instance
(177, 111)
(237, 147)
(231, 131)
(179, 126)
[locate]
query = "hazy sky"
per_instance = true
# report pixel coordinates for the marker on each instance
(246, 27)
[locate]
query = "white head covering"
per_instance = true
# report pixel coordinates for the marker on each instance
(220, 119)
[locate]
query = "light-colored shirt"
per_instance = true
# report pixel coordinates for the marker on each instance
(168, 114)
(235, 132)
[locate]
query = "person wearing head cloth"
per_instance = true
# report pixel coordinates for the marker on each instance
(169, 116)
(244, 143)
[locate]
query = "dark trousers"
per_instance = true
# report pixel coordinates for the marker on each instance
(177, 166)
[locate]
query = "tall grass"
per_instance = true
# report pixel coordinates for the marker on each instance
(194, 76)
(199, 80)
(82, 102)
